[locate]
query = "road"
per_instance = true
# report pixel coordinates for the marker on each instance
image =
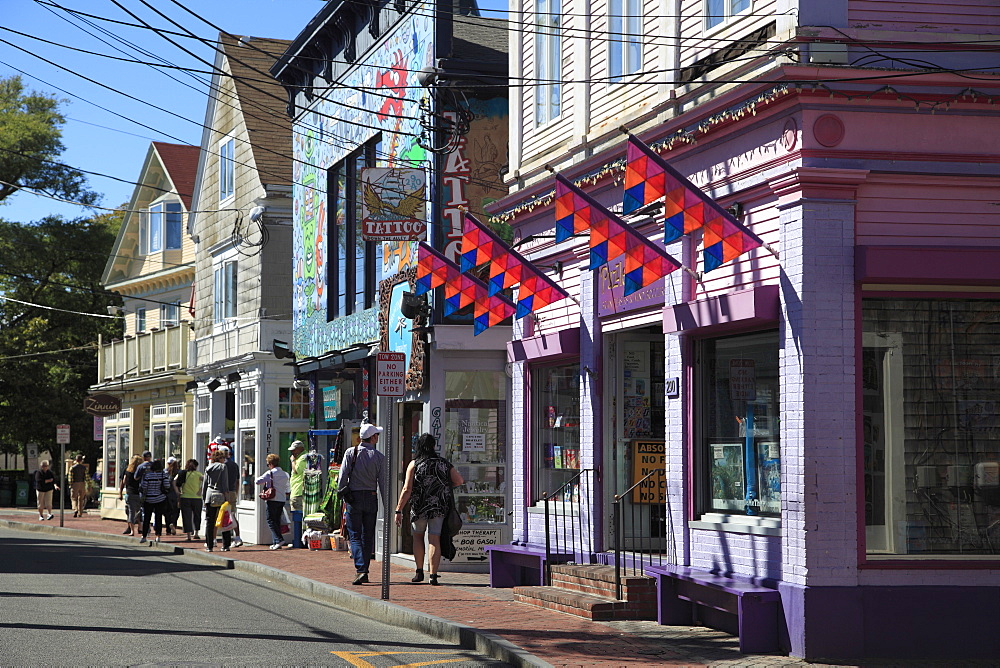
(68, 602)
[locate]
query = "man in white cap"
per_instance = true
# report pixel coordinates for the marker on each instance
(360, 480)
(296, 489)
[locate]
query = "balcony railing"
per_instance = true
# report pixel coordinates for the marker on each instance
(143, 354)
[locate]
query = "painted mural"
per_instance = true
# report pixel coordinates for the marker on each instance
(375, 97)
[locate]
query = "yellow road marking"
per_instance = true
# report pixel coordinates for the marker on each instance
(355, 658)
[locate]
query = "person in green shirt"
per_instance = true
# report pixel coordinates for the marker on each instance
(296, 493)
(189, 483)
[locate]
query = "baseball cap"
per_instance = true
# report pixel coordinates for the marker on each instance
(171, 460)
(369, 430)
(296, 445)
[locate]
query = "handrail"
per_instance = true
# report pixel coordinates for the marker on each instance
(620, 531)
(546, 497)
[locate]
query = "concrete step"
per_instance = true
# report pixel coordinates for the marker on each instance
(588, 606)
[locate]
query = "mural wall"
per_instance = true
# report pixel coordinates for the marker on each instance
(375, 97)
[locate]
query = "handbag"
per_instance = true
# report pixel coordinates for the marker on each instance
(344, 491)
(216, 498)
(269, 491)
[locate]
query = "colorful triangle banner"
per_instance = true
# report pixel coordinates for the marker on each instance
(435, 270)
(507, 268)
(575, 211)
(648, 177)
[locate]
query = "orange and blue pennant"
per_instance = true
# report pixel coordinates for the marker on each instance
(507, 268)
(574, 210)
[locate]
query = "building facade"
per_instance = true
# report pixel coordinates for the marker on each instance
(242, 393)
(152, 267)
(823, 413)
(418, 88)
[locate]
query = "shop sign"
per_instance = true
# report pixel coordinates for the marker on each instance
(611, 298)
(390, 374)
(102, 405)
(470, 544)
(393, 204)
(742, 380)
(330, 397)
(98, 428)
(649, 457)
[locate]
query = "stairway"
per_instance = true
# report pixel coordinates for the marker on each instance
(589, 591)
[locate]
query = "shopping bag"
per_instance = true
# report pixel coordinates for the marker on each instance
(224, 520)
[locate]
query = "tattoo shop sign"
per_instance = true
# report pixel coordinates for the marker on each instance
(393, 204)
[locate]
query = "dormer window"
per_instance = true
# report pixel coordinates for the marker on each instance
(160, 228)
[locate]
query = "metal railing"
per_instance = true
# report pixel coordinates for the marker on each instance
(647, 548)
(565, 539)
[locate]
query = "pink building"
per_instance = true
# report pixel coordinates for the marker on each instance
(828, 418)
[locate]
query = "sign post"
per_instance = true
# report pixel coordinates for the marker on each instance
(390, 381)
(62, 438)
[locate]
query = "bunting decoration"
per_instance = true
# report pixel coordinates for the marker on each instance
(435, 270)
(687, 208)
(574, 212)
(507, 268)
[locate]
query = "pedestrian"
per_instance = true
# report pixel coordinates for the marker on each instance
(154, 487)
(214, 495)
(129, 489)
(275, 478)
(233, 469)
(428, 487)
(188, 483)
(297, 489)
(140, 470)
(78, 486)
(359, 483)
(173, 496)
(45, 482)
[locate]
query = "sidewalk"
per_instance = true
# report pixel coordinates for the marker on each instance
(553, 637)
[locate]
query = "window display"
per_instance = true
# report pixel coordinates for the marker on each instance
(930, 382)
(475, 443)
(738, 425)
(556, 430)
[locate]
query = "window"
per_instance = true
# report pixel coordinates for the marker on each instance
(203, 414)
(170, 314)
(159, 448)
(555, 429)
(111, 474)
(717, 11)
(355, 270)
(548, 52)
(737, 425)
(293, 403)
(930, 432)
(247, 450)
(140, 320)
(227, 169)
(625, 45)
(248, 403)
(174, 436)
(224, 306)
(160, 228)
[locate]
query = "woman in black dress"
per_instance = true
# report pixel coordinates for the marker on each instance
(429, 482)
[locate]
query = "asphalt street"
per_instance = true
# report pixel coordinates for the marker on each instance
(67, 602)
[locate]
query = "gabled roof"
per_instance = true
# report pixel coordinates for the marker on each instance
(262, 101)
(181, 164)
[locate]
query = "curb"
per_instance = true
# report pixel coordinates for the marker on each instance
(464, 636)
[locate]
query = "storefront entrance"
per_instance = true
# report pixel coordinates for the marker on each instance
(634, 422)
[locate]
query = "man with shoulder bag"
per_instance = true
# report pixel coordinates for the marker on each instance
(360, 481)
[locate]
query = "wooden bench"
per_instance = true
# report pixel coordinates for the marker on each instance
(519, 565)
(757, 609)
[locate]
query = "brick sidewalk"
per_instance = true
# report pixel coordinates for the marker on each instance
(466, 598)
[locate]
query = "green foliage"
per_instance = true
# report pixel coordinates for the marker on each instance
(55, 263)
(30, 143)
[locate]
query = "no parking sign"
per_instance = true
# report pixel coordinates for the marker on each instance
(390, 374)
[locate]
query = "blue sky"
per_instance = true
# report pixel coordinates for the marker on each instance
(97, 139)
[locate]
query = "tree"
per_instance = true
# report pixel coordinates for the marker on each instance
(30, 144)
(48, 356)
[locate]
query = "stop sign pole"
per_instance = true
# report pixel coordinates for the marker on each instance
(62, 438)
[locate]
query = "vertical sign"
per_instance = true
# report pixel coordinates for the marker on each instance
(649, 457)
(742, 380)
(390, 374)
(62, 434)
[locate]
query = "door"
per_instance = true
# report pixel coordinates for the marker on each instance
(411, 417)
(634, 422)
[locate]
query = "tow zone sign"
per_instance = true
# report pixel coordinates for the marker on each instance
(390, 374)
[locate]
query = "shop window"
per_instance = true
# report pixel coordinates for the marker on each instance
(174, 436)
(111, 474)
(293, 403)
(246, 460)
(555, 428)
(124, 451)
(930, 382)
(738, 432)
(355, 268)
(475, 441)
(159, 444)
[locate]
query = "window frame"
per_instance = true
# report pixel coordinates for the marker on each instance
(288, 398)
(624, 21)
(344, 204)
(227, 168)
(225, 290)
(548, 59)
(537, 455)
(730, 13)
(140, 320)
(166, 320)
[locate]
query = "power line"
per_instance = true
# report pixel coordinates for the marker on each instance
(53, 308)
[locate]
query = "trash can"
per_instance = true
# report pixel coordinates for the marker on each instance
(21, 493)
(6, 491)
